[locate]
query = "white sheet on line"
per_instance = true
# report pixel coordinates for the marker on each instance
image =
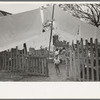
(47, 14)
(98, 34)
(65, 21)
(40, 40)
(19, 28)
(64, 35)
(87, 31)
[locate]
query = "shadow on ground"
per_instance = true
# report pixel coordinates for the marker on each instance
(53, 76)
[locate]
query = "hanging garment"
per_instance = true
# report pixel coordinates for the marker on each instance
(65, 36)
(66, 22)
(19, 28)
(87, 31)
(40, 40)
(47, 14)
(98, 34)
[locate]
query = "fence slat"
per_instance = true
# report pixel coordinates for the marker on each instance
(70, 70)
(33, 64)
(11, 62)
(74, 67)
(43, 64)
(82, 60)
(40, 66)
(92, 59)
(20, 67)
(78, 61)
(8, 60)
(47, 69)
(97, 67)
(73, 62)
(30, 64)
(3, 61)
(16, 66)
(87, 61)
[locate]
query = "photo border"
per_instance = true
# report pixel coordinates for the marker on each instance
(16, 88)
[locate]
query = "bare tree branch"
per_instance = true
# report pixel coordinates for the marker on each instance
(91, 12)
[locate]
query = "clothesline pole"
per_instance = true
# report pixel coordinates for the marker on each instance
(51, 29)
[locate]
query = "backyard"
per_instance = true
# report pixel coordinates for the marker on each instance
(12, 76)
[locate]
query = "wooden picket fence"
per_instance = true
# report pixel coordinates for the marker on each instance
(83, 60)
(20, 62)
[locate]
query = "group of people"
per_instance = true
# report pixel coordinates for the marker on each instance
(57, 59)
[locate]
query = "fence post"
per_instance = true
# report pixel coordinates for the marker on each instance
(16, 66)
(87, 61)
(97, 67)
(82, 60)
(70, 64)
(78, 61)
(92, 58)
(12, 61)
(7, 59)
(33, 64)
(30, 66)
(3, 60)
(40, 66)
(36, 65)
(47, 67)
(73, 62)
(67, 63)
(74, 66)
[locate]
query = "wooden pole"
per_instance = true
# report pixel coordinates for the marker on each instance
(51, 30)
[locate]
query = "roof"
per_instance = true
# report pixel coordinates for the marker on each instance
(4, 13)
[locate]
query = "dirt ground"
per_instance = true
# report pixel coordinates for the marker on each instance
(53, 76)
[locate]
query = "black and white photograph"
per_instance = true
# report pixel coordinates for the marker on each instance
(49, 42)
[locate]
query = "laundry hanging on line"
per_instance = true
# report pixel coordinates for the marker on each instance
(19, 28)
(65, 21)
(87, 31)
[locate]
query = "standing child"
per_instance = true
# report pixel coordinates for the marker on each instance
(56, 52)
(57, 62)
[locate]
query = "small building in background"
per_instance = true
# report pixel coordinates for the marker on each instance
(31, 51)
(39, 52)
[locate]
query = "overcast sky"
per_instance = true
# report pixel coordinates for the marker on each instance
(19, 7)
